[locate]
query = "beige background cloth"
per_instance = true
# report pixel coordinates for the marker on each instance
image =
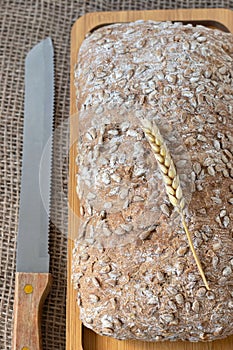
(23, 23)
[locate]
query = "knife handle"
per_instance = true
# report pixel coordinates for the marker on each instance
(31, 290)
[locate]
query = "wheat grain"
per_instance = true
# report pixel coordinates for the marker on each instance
(171, 180)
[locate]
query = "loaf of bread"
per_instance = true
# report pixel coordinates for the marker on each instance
(135, 275)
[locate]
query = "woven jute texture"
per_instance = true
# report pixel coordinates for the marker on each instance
(22, 25)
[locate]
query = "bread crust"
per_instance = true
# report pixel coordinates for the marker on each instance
(134, 272)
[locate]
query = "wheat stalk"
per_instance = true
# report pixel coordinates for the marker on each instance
(171, 180)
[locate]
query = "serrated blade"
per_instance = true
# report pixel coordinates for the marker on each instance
(32, 240)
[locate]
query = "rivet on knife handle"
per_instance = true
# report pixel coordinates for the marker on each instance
(31, 290)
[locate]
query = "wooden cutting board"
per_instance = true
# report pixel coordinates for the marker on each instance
(78, 336)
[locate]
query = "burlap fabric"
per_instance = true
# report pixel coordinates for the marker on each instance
(23, 23)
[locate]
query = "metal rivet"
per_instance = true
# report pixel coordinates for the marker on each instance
(28, 289)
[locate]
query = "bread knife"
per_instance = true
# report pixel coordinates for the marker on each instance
(33, 280)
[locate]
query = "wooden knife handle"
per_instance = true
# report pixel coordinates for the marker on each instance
(31, 290)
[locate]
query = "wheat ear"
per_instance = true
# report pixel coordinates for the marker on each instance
(171, 180)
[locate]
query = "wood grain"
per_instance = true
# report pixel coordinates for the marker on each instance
(78, 336)
(31, 290)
